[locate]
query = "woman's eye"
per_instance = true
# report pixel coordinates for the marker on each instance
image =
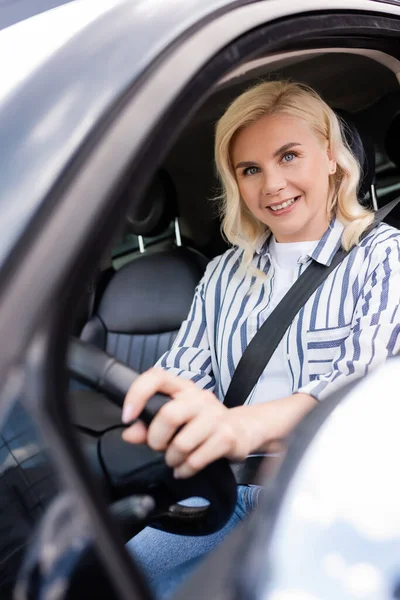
(288, 157)
(251, 171)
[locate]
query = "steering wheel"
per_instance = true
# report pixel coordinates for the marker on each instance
(130, 470)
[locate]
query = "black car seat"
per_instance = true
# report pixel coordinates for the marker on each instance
(144, 303)
(140, 310)
(362, 146)
(391, 144)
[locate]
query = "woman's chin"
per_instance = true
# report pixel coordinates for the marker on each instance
(300, 228)
(288, 232)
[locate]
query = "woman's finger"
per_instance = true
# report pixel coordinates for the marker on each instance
(136, 433)
(192, 435)
(146, 385)
(212, 449)
(173, 415)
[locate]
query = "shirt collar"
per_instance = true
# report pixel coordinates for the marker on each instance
(324, 251)
(262, 246)
(329, 244)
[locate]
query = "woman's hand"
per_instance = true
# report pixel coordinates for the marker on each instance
(207, 429)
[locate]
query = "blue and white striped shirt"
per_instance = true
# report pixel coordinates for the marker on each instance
(350, 325)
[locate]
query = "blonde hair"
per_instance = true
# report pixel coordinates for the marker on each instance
(239, 225)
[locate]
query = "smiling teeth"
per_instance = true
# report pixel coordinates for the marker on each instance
(283, 205)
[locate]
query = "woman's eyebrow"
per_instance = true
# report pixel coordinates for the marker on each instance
(245, 163)
(285, 147)
(281, 150)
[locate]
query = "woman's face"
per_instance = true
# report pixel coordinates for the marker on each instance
(282, 170)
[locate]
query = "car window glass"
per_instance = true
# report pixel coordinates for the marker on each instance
(27, 483)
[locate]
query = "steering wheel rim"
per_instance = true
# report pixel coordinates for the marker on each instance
(215, 483)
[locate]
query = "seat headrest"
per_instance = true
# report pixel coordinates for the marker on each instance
(362, 146)
(392, 141)
(153, 293)
(156, 209)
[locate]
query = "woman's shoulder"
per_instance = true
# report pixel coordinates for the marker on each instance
(222, 263)
(382, 242)
(221, 269)
(383, 236)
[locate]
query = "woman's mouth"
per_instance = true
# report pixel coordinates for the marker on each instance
(283, 207)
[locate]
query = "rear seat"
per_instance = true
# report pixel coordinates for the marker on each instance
(141, 309)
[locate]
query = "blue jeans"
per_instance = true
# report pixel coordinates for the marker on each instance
(167, 559)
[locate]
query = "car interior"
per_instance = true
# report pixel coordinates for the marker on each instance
(133, 306)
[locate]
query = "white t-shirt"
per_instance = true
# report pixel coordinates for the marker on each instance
(274, 382)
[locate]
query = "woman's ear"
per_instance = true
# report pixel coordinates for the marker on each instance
(332, 161)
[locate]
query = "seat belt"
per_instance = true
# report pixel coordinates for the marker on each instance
(260, 349)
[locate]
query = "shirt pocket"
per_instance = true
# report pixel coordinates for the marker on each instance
(322, 348)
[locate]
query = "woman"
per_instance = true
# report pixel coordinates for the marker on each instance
(289, 197)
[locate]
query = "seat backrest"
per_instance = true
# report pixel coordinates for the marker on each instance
(144, 303)
(362, 146)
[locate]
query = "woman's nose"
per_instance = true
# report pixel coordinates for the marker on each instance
(273, 183)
